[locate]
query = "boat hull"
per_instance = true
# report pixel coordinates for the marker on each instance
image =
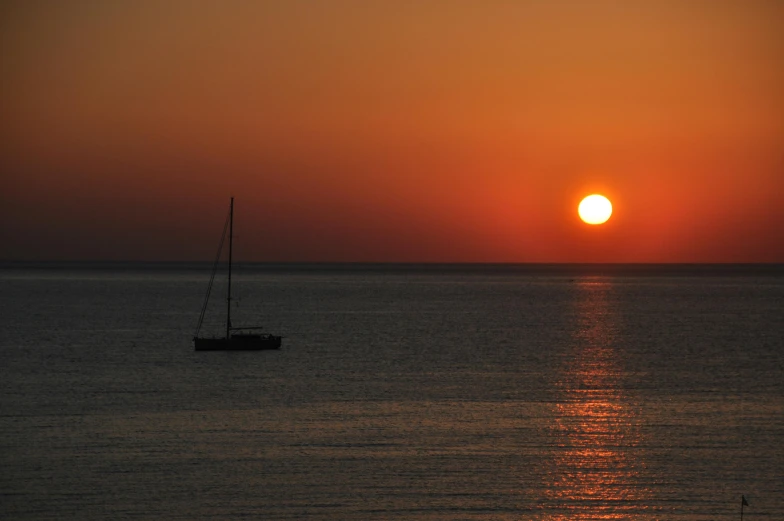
(238, 343)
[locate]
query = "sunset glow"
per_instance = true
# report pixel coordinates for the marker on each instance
(432, 131)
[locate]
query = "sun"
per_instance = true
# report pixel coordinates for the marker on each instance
(595, 209)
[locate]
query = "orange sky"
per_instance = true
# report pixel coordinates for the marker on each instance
(445, 131)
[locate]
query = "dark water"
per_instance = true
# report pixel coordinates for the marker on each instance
(400, 393)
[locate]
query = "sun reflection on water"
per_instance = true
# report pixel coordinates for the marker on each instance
(595, 462)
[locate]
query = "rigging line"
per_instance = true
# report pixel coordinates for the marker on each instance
(212, 276)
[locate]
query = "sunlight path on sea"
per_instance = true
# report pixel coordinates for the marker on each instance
(597, 464)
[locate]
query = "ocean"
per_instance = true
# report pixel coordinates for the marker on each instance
(416, 392)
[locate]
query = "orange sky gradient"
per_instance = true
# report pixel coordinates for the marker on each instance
(389, 131)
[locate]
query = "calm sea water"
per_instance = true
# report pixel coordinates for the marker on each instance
(415, 393)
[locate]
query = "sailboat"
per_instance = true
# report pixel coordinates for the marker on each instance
(237, 338)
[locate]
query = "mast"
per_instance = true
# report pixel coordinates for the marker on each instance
(228, 296)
